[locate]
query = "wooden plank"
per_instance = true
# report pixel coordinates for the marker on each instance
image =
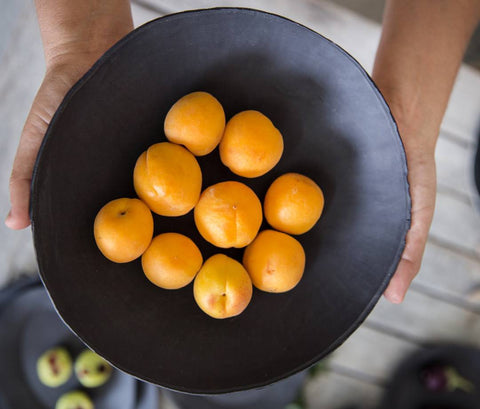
(456, 223)
(454, 166)
(372, 9)
(421, 318)
(335, 390)
(327, 390)
(371, 354)
(22, 72)
(11, 16)
(360, 37)
(142, 15)
(450, 275)
(165, 402)
(463, 112)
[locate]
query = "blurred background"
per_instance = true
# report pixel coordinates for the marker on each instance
(443, 305)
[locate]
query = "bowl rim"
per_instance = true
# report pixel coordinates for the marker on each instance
(34, 188)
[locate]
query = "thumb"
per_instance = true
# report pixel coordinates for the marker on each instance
(46, 102)
(21, 176)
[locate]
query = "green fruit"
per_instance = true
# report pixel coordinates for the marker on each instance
(54, 367)
(74, 400)
(92, 370)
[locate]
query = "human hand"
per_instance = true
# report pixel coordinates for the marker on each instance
(57, 81)
(75, 35)
(422, 181)
(415, 71)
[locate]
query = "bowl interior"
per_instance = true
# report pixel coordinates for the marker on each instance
(337, 130)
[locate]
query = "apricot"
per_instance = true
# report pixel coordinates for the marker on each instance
(123, 229)
(228, 214)
(168, 179)
(171, 261)
(275, 261)
(251, 145)
(222, 287)
(293, 203)
(196, 121)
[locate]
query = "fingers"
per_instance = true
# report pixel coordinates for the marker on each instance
(422, 190)
(18, 217)
(21, 177)
(409, 264)
(46, 102)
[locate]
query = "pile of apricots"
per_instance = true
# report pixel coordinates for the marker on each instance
(168, 181)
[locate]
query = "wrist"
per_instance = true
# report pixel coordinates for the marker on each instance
(79, 33)
(417, 124)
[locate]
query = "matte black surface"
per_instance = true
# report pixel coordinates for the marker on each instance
(275, 396)
(45, 330)
(337, 130)
(406, 391)
(29, 325)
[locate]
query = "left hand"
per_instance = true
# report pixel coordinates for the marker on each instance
(422, 180)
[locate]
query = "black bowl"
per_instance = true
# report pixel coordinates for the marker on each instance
(337, 129)
(407, 389)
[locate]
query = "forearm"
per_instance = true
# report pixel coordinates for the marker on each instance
(81, 29)
(420, 51)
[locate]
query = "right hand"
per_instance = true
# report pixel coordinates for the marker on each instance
(74, 35)
(56, 83)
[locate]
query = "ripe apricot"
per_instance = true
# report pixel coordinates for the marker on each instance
(251, 145)
(197, 121)
(275, 261)
(222, 287)
(123, 229)
(171, 261)
(168, 179)
(228, 214)
(293, 203)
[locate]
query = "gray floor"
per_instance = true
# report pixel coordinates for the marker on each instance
(441, 305)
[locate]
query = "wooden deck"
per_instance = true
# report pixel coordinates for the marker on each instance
(444, 301)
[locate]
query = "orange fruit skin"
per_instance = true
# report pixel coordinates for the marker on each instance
(293, 203)
(275, 261)
(222, 287)
(251, 145)
(196, 121)
(228, 214)
(123, 229)
(167, 177)
(171, 261)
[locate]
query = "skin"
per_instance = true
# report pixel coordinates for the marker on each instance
(74, 35)
(420, 51)
(418, 58)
